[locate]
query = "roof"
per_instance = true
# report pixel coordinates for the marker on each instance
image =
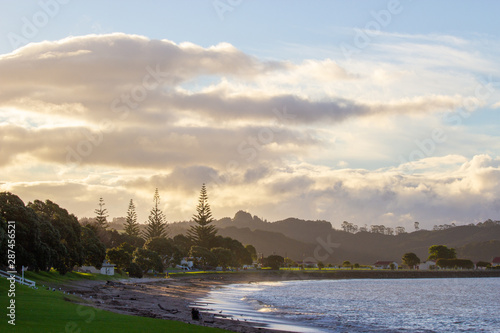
(383, 263)
(496, 260)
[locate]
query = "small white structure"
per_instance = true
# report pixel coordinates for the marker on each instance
(308, 264)
(495, 262)
(107, 268)
(250, 267)
(187, 262)
(426, 265)
(89, 269)
(385, 264)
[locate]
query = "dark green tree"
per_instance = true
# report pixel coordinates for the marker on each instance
(223, 257)
(203, 233)
(346, 263)
(160, 245)
(202, 256)
(241, 256)
(157, 224)
(183, 244)
(410, 259)
(29, 247)
(147, 260)
(165, 248)
(119, 256)
(131, 225)
(134, 270)
(274, 261)
(94, 249)
(70, 232)
(101, 215)
(253, 252)
(455, 263)
(484, 264)
(441, 252)
(3, 241)
(56, 250)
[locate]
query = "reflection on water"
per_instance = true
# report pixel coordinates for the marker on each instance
(395, 305)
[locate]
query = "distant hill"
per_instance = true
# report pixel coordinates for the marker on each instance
(303, 239)
(361, 247)
(485, 250)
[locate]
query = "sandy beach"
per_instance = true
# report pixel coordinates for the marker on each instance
(171, 298)
(164, 298)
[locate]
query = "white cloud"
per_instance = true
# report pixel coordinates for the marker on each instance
(312, 139)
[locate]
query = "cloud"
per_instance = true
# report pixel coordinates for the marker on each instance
(118, 115)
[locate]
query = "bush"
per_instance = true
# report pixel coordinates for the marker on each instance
(134, 270)
(455, 263)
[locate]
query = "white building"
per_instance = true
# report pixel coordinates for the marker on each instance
(107, 268)
(187, 262)
(308, 264)
(426, 265)
(385, 265)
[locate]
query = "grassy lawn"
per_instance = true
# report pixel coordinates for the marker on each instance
(54, 277)
(46, 311)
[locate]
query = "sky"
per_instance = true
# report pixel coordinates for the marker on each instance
(375, 112)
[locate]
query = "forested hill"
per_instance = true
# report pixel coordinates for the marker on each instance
(299, 239)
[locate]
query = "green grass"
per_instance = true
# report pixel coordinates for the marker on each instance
(46, 311)
(55, 278)
(191, 273)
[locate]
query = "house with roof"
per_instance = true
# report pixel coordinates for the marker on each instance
(495, 262)
(426, 265)
(308, 264)
(106, 269)
(385, 264)
(187, 263)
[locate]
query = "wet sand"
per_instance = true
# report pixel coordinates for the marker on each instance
(162, 298)
(171, 298)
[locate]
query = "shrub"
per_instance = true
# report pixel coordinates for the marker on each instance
(134, 270)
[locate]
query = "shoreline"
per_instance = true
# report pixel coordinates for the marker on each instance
(171, 298)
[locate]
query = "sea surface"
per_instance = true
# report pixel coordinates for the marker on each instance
(378, 305)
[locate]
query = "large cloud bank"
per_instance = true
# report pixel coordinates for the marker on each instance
(118, 115)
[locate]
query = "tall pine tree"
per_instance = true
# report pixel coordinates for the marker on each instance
(131, 225)
(203, 233)
(101, 215)
(157, 223)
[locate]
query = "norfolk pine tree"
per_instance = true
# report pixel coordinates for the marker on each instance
(157, 224)
(100, 219)
(131, 225)
(203, 234)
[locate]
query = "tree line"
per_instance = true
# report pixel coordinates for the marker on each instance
(381, 229)
(47, 236)
(443, 256)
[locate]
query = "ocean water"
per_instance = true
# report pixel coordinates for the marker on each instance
(381, 305)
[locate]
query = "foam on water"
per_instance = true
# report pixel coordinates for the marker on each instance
(403, 305)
